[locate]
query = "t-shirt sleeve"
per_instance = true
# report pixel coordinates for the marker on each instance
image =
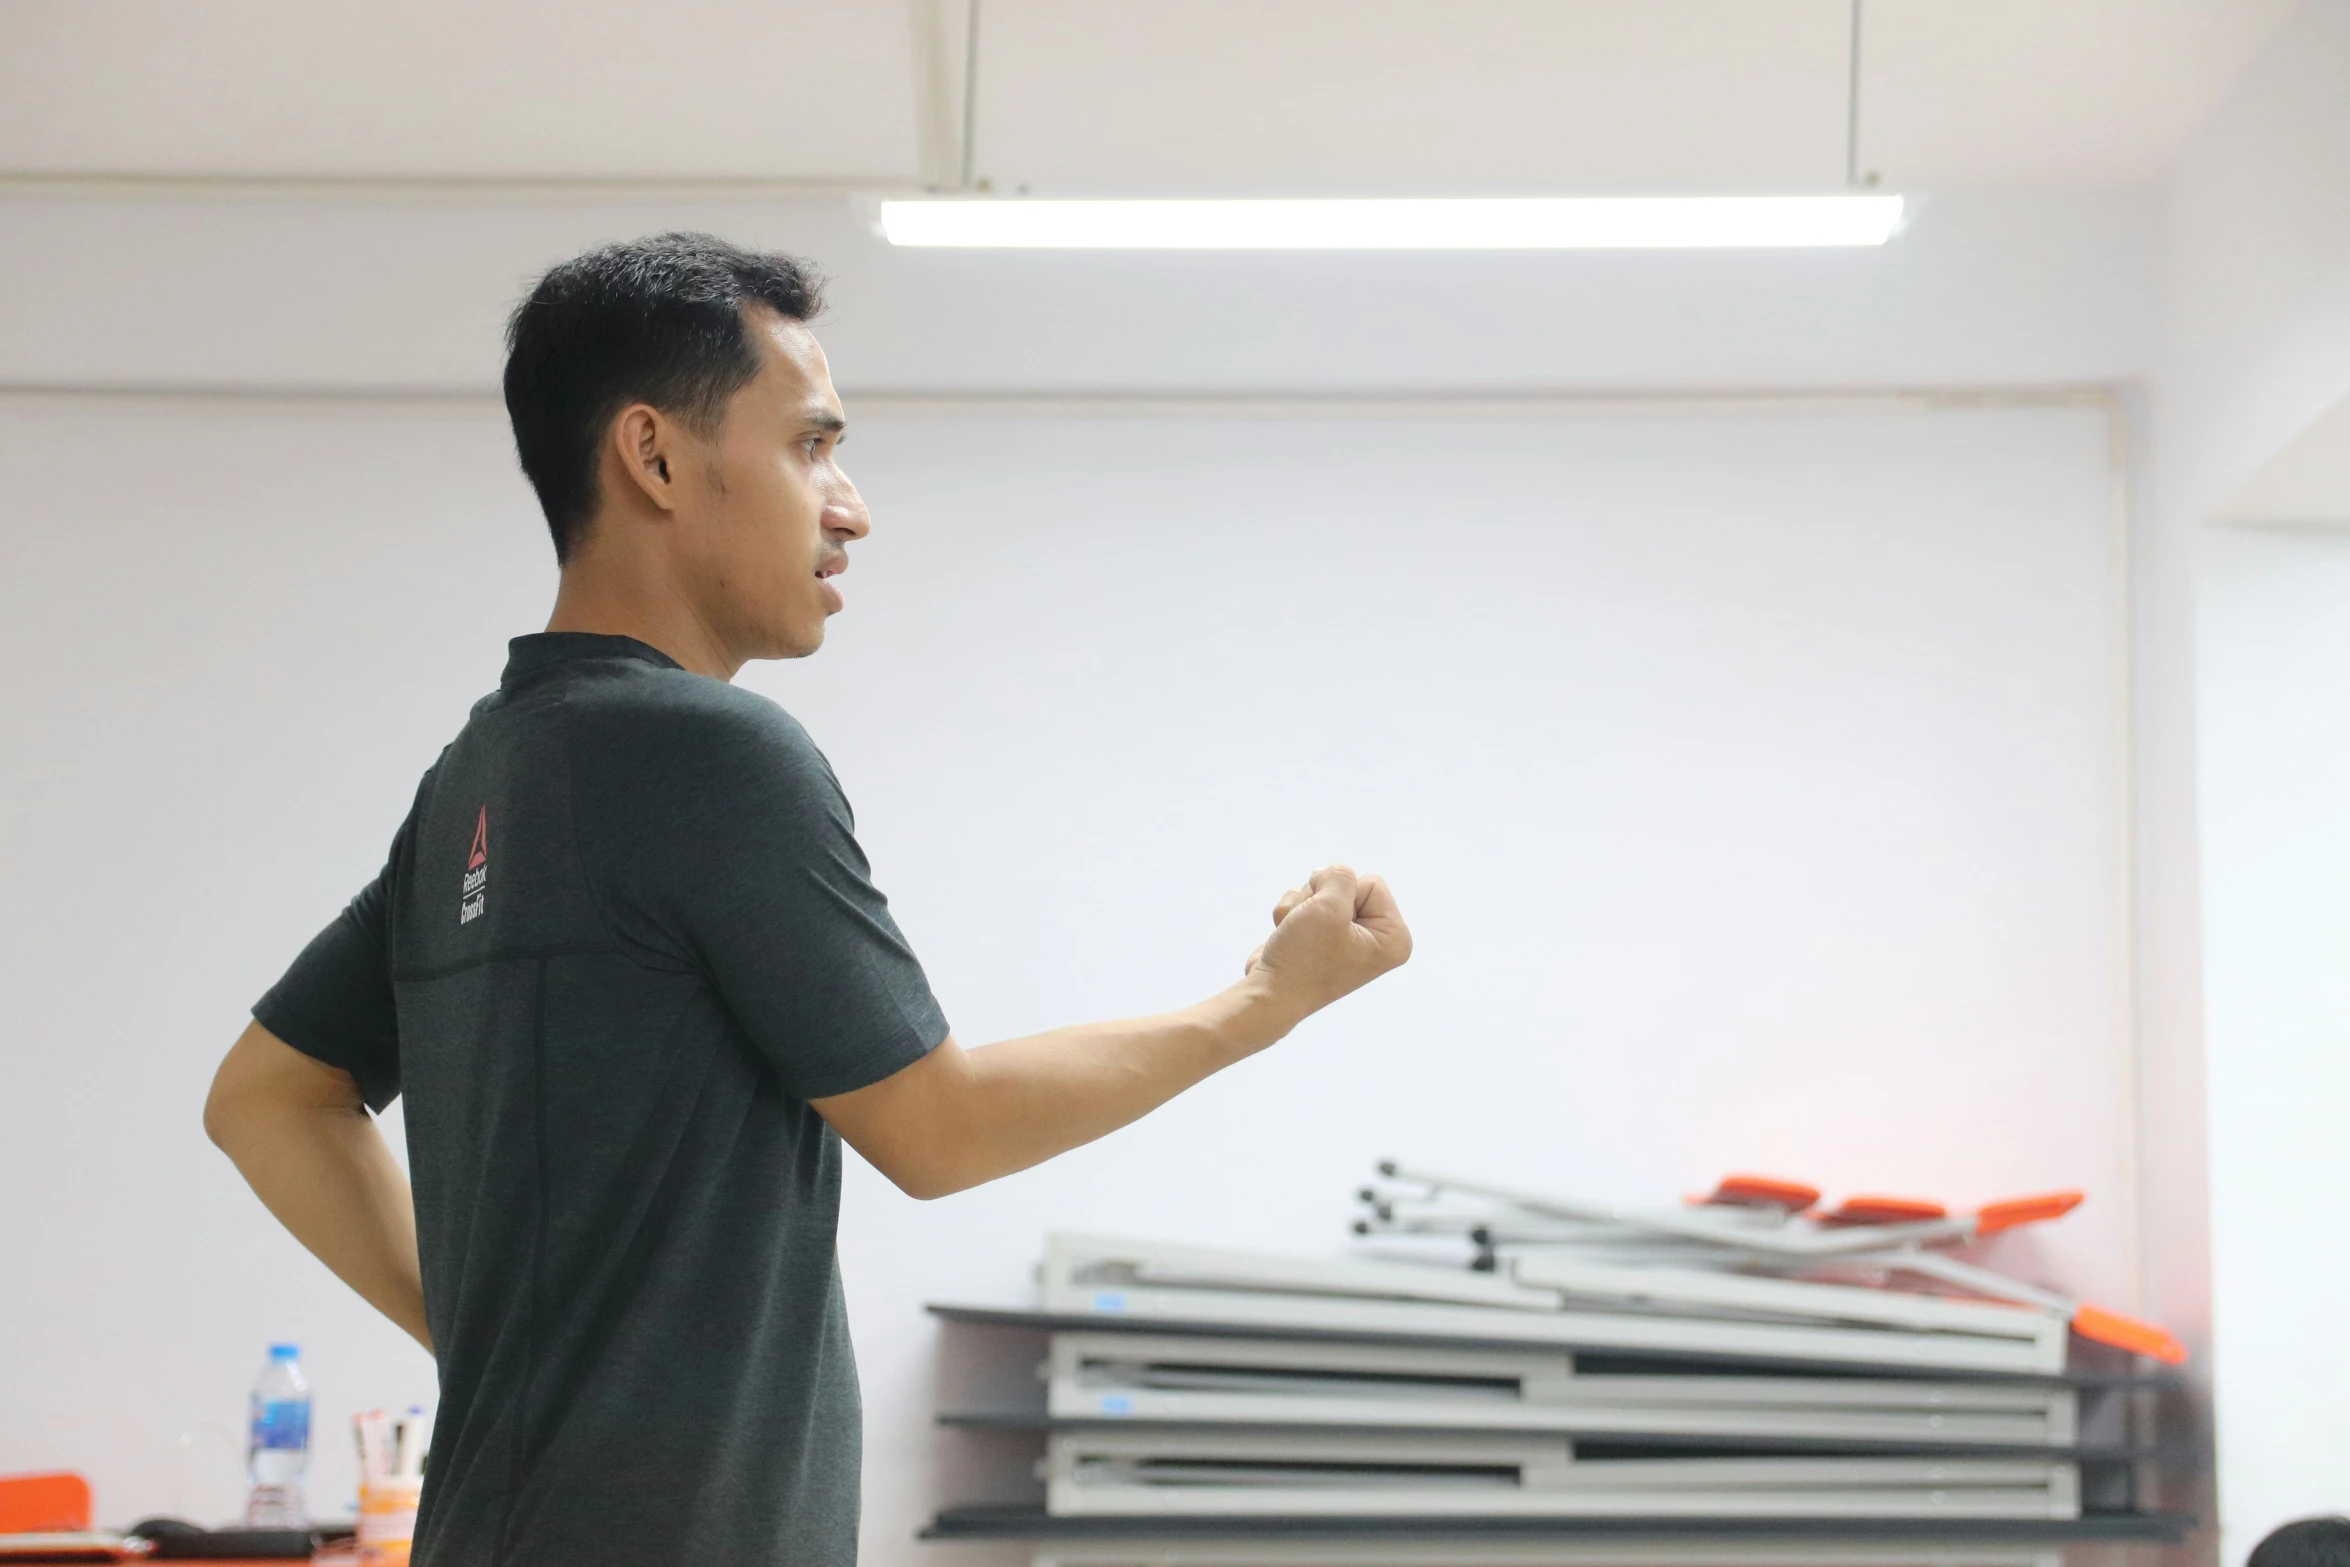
(749, 864)
(335, 1004)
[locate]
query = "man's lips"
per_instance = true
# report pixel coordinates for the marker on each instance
(826, 572)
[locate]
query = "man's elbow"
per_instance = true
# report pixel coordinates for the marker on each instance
(930, 1179)
(930, 1165)
(920, 1127)
(222, 1117)
(234, 1107)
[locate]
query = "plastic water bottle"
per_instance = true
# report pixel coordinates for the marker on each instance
(278, 1450)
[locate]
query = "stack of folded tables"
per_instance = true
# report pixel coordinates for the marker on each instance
(1596, 1386)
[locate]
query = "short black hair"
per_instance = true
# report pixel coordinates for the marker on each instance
(656, 321)
(2306, 1542)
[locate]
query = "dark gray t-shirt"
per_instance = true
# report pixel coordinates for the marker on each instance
(623, 938)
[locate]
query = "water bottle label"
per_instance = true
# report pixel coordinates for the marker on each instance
(281, 1423)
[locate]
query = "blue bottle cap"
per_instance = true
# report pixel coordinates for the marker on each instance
(284, 1351)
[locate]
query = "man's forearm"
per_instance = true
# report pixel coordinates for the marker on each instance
(957, 1117)
(313, 1155)
(1047, 1093)
(1019, 1102)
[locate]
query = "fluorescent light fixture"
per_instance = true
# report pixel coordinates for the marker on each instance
(1447, 223)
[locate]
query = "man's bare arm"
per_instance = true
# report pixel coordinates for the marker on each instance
(957, 1117)
(298, 1132)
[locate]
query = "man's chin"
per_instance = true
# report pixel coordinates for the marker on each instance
(802, 641)
(782, 642)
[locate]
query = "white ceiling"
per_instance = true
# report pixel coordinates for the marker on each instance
(456, 88)
(2023, 92)
(1230, 95)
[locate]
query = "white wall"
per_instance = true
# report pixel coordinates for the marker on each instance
(217, 747)
(2255, 347)
(2256, 300)
(1748, 781)
(2276, 811)
(231, 644)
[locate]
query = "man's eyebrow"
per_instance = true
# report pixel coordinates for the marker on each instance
(825, 420)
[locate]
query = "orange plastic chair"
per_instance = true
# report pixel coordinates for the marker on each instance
(1761, 1191)
(44, 1504)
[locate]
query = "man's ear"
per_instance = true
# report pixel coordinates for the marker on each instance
(645, 443)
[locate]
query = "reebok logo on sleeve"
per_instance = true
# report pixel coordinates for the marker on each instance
(477, 872)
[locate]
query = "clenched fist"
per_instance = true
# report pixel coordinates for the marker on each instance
(1335, 934)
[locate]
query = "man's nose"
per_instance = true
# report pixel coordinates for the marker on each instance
(846, 515)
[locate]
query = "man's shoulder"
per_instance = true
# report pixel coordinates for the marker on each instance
(674, 733)
(677, 702)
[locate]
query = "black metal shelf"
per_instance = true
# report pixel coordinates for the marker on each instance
(1014, 1522)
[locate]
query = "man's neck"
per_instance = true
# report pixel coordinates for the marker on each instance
(626, 599)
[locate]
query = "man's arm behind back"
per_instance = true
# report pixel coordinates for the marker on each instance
(299, 1133)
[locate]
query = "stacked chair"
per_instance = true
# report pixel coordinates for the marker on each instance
(1750, 1373)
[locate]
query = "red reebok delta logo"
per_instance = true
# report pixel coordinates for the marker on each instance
(477, 871)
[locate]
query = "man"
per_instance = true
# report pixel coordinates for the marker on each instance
(626, 964)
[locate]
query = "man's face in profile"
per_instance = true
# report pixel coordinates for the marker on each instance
(768, 538)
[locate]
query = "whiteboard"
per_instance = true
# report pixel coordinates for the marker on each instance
(1749, 783)
(1748, 780)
